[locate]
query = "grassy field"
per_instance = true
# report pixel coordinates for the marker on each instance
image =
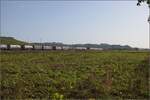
(74, 74)
(11, 40)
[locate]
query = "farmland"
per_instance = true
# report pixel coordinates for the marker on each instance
(74, 74)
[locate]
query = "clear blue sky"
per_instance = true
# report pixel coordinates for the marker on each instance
(113, 22)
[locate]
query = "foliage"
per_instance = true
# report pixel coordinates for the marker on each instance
(140, 1)
(10, 40)
(74, 75)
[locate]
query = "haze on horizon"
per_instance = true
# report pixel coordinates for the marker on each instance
(95, 22)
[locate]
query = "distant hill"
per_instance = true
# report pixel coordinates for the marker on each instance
(10, 40)
(103, 45)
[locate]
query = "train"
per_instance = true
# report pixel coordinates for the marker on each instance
(43, 47)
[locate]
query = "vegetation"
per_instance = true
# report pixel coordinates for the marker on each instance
(10, 40)
(140, 1)
(74, 75)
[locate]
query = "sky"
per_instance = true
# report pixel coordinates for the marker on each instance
(70, 22)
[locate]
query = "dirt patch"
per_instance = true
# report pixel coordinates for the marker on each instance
(71, 64)
(56, 66)
(35, 61)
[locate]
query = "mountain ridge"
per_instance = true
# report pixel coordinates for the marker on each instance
(12, 40)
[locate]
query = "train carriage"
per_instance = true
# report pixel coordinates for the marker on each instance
(80, 48)
(3, 47)
(58, 48)
(98, 49)
(27, 47)
(14, 47)
(47, 47)
(38, 47)
(66, 48)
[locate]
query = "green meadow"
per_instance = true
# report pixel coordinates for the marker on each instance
(62, 75)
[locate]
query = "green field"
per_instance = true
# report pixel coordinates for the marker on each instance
(74, 74)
